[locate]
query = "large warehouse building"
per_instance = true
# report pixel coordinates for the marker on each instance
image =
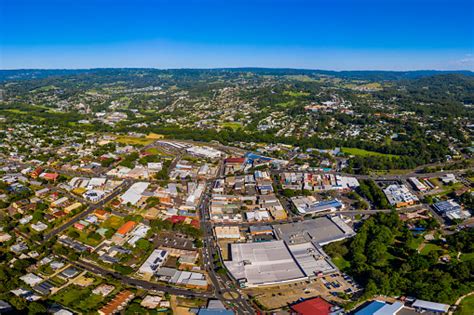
(297, 255)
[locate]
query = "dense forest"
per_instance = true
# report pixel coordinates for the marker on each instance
(383, 260)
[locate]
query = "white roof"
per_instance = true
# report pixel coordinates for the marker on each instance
(439, 307)
(263, 263)
(134, 193)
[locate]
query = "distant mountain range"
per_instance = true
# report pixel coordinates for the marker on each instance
(372, 75)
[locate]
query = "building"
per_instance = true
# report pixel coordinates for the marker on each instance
(315, 306)
(227, 232)
(427, 306)
(400, 196)
(154, 261)
(134, 193)
(451, 210)
(126, 227)
(320, 231)
(380, 308)
(103, 289)
(118, 303)
(311, 205)
(267, 263)
(417, 184)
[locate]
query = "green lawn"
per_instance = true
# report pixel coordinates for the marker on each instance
(78, 298)
(428, 248)
(156, 151)
(362, 152)
(415, 243)
(466, 257)
(232, 125)
(341, 263)
(134, 140)
(466, 307)
(295, 94)
(113, 222)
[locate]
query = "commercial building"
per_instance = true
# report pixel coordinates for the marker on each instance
(451, 210)
(400, 196)
(227, 232)
(417, 184)
(380, 308)
(320, 231)
(154, 261)
(315, 306)
(257, 264)
(311, 205)
(427, 306)
(134, 193)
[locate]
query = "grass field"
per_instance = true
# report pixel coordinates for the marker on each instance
(134, 140)
(231, 125)
(113, 222)
(295, 94)
(156, 151)
(466, 257)
(78, 298)
(362, 152)
(341, 263)
(429, 248)
(154, 136)
(466, 307)
(415, 243)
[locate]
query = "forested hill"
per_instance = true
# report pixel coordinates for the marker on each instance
(28, 74)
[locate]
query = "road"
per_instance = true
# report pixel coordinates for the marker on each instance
(222, 283)
(92, 207)
(93, 268)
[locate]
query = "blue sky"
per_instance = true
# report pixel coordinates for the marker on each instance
(318, 34)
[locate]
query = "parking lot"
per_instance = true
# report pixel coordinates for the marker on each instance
(327, 287)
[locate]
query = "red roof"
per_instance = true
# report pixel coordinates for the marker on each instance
(50, 176)
(315, 306)
(235, 160)
(127, 227)
(177, 218)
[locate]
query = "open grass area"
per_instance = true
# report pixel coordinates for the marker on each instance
(156, 151)
(362, 152)
(134, 140)
(415, 243)
(466, 257)
(295, 94)
(466, 307)
(450, 188)
(341, 263)
(113, 222)
(301, 77)
(154, 136)
(78, 298)
(429, 248)
(232, 125)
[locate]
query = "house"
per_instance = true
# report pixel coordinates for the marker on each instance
(101, 214)
(125, 228)
(49, 176)
(103, 289)
(117, 304)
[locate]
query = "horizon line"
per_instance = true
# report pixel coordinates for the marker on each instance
(233, 68)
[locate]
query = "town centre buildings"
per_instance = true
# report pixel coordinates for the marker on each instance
(297, 255)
